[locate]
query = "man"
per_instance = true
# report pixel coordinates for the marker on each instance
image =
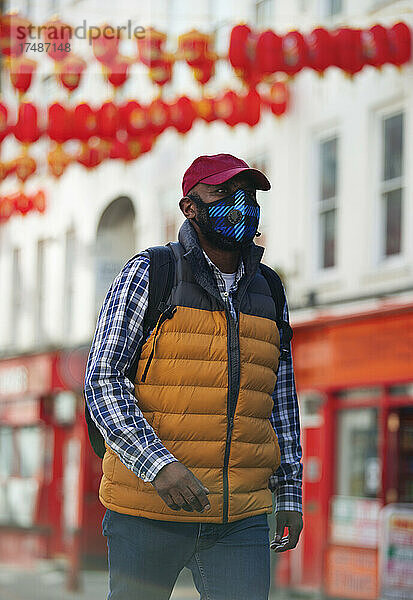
(210, 424)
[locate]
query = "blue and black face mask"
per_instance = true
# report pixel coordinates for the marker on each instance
(231, 221)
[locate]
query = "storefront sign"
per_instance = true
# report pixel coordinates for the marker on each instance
(335, 349)
(396, 552)
(351, 573)
(25, 374)
(354, 521)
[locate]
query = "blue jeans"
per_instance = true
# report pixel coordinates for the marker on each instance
(228, 561)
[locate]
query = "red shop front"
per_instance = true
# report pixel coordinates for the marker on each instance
(48, 473)
(354, 376)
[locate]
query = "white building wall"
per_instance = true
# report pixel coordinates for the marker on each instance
(319, 106)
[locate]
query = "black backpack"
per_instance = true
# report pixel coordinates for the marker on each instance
(161, 277)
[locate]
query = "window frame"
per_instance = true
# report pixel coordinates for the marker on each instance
(328, 203)
(379, 260)
(16, 294)
(390, 185)
(269, 7)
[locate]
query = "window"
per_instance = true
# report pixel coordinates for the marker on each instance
(6, 452)
(40, 290)
(21, 467)
(264, 13)
(22, 6)
(357, 463)
(16, 294)
(334, 7)
(392, 181)
(29, 444)
(327, 202)
(69, 281)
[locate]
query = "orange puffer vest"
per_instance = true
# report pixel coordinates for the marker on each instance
(207, 393)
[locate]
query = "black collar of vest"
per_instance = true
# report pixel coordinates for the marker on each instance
(251, 255)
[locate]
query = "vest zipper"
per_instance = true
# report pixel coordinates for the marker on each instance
(166, 314)
(232, 397)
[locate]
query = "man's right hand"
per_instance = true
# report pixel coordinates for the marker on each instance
(179, 488)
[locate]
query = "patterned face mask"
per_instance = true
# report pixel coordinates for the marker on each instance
(235, 217)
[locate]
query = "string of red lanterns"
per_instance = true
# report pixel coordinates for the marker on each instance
(253, 55)
(256, 55)
(129, 130)
(125, 131)
(20, 203)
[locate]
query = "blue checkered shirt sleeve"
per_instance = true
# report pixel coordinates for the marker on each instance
(286, 482)
(108, 391)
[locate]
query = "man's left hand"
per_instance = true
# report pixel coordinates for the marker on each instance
(291, 519)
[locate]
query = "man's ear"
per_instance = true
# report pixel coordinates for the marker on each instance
(186, 206)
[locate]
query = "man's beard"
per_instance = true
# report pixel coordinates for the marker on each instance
(215, 238)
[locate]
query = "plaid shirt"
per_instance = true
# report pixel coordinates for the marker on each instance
(110, 394)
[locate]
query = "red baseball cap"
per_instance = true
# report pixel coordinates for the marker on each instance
(217, 168)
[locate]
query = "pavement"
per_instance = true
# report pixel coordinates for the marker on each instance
(47, 580)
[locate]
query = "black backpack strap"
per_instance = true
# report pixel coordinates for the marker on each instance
(277, 292)
(161, 278)
(96, 438)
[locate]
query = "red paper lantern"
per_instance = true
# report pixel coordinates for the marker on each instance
(204, 73)
(228, 108)
(242, 54)
(14, 30)
(183, 114)
(295, 52)
(349, 54)
(58, 159)
(150, 48)
(251, 108)
(6, 208)
(279, 98)
(117, 71)
(4, 127)
(400, 40)
(133, 118)
(105, 45)
(26, 129)
(237, 54)
(58, 35)
(205, 109)
(195, 47)
(84, 122)
(321, 49)
(71, 71)
(107, 121)
(60, 123)
(119, 147)
(22, 204)
(90, 156)
(162, 74)
(134, 146)
(375, 46)
(158, 116)
(25, 166)
(6, 169)
(21, 73)
(269, 53)
(39, 201)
